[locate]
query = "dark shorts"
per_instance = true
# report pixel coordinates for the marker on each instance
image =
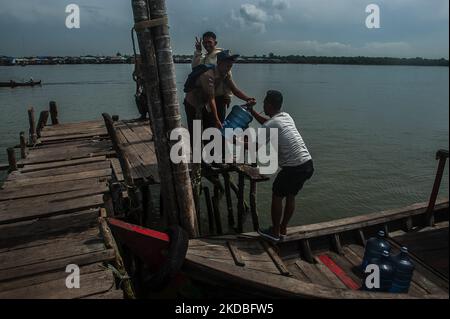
(290, 180)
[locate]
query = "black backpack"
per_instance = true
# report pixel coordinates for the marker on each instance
(194, 75)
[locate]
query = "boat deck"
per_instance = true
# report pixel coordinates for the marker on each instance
(51, 211)
(262, 263)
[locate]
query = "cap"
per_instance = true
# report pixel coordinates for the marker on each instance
(226, 55)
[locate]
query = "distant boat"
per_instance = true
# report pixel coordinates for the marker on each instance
(13, 84)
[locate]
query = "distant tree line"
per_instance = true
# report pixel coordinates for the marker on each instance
(358, 60)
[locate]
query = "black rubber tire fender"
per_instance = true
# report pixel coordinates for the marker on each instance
(178, 246)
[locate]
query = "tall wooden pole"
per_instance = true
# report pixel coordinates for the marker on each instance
(159, 74)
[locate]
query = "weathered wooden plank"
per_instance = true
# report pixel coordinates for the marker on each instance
(33, 202)
(99, 130)
(51, 239)
(49, 252)
(358, 222)
(50, 209)
(312, 273)
(276, 259)
(117, 170)
(66, 170)
(41, 278)
(235, 253)
(329, 274)
(83, 124)
(58, 178)
(51, 188)
(12, 234)
(37, 268)
(58, 164)
(90, 284)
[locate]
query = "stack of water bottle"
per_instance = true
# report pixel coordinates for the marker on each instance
(395, 272)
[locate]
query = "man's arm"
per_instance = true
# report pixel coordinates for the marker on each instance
(237, 92)
(213, 107)
(261, 119)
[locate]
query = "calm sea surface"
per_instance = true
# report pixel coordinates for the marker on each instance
(372, 130)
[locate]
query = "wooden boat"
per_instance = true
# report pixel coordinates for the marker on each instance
(314, 261)
(13, 84)
(323, 260)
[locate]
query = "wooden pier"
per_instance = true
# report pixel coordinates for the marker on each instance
(52, 209)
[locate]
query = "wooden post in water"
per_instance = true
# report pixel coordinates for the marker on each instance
(32, 131)
(159, 72)
(241, 207)
(442, 156)
(23, 145)
(43, 118)
(12, 159)
(253, 208)
(53, 112)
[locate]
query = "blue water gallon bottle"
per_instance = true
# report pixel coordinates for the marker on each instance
(404, 269)
(374, 248)
(239, 117)
(387, 271)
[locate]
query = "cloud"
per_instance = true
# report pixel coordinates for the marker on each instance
(256, 17)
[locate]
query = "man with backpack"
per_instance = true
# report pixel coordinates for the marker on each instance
(201, 88)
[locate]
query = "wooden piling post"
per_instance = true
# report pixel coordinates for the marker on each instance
(23, 145)
(241, 207)
(43, 118)
(253, 208)
(216, 209)
(442, 156)
(32, 122)
(12, 159)
(209, 210)
(227, 186)
(152, 31)
(54, 112)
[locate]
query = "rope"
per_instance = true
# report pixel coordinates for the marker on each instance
(117, 273)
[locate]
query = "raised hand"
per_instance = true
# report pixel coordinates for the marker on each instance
(198, 44)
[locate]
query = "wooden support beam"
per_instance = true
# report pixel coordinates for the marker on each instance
(253, 206)
(110, 243)
(306, 250)
(442, 156)
(32, 123)
(43, 118)
(360, 237)
(217, 216)
(23, 145)
(226, 178)
(240, 205)
(54, 112)
(12, 159)
(209, 210)
(160, 86)
(337, 246)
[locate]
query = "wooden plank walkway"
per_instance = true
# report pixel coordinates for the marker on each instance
(49, 216)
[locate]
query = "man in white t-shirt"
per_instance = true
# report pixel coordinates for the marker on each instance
(293, 158)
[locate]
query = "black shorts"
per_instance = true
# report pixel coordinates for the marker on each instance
(290, 180)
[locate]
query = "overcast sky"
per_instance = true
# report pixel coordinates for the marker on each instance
(409, 28)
